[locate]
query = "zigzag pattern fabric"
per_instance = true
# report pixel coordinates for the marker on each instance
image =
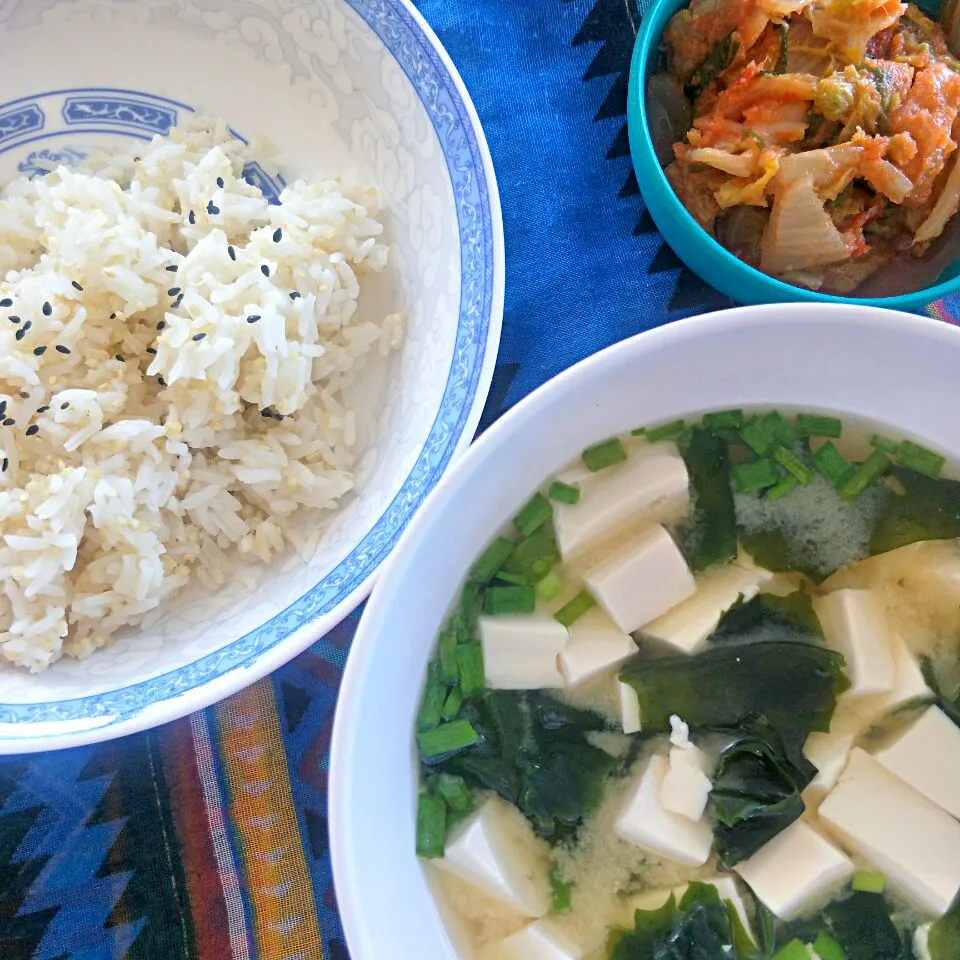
(207, 839)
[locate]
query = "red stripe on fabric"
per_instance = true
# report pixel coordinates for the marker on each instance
(196, 847)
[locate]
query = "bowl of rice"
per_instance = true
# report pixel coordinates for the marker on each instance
(251, 286)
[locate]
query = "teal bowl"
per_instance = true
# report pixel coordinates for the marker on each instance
(698, 250)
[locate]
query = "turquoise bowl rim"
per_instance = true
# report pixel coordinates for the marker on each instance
(698, 250)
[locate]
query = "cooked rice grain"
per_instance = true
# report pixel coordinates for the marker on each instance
(183, 347)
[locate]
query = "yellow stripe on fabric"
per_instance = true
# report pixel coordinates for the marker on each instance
(261, 808)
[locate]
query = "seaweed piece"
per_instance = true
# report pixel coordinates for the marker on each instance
(767, 617)
(928, 510)
(713, 538)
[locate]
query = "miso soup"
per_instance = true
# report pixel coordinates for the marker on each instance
(700, 700)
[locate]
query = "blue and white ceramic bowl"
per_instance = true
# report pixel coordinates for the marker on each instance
(331, 84)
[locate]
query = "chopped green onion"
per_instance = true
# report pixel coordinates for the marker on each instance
(491, 560)
(755, 475)
(564, 492)
(454, 790)
(470, 665)
(559, 892)
(603, 455)
(793, 464)
(504, 600)
(812, 425)
(885, 444)
(780, 429)
(919, 458)
(872, 469)
(833, 464)
(575, 609)
(638, 432)
(448, 656)
(665, 430)
(431, 705)
(683, 439)
(533, 516)
(869, 881)
(536, 556)
(756, 436)
(781, 489)
(550, 587)
(723, 419)
(431, 825)
(826, 948)
(466, 617)
(506, 576)
(446, 739)
(451, 706)
(794, 950)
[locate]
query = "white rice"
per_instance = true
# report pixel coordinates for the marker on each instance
(177, 433)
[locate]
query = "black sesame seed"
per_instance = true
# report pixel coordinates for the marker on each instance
(42, 409)
(172, 268)
(277, 235)
(24, 395)
(161, 324)
(151, 351)
(33, 430)
(39, 351)
(232, 253)
(120, 358)
(14, 319)
(113, 316)
(265, 270)
(220, 182)
(173, 291)
(3, 467)
(253, 318)
(76, 286)
(212, 209)
(6, 302)
(47, 309)
(294, 295)
(3, 407)
(21, 333)
(27, 326)
(161, 381)
(177, 302)
(192, 218)
(60, 348)
(9, 422)
(65, 405)
(266, 412)
(197, 337)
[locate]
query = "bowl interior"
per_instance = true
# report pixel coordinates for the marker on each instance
(894, 369)
(704, 255)
(338, 85)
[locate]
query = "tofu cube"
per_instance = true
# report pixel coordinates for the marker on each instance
(520, 653)
(686, 626)
(496, 850)
(651, 484)
(908, 682)
(629, 708)
(596, 643)
(795, 871)
(686, 787)
(927, 757)
(645, 822)
(854, 623)
(642, 581)
(829, 753)
(540, 940)
(905, 836)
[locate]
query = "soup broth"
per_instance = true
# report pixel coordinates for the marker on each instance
(701, 699)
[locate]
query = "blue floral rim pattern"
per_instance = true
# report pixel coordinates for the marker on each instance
(403, 37)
